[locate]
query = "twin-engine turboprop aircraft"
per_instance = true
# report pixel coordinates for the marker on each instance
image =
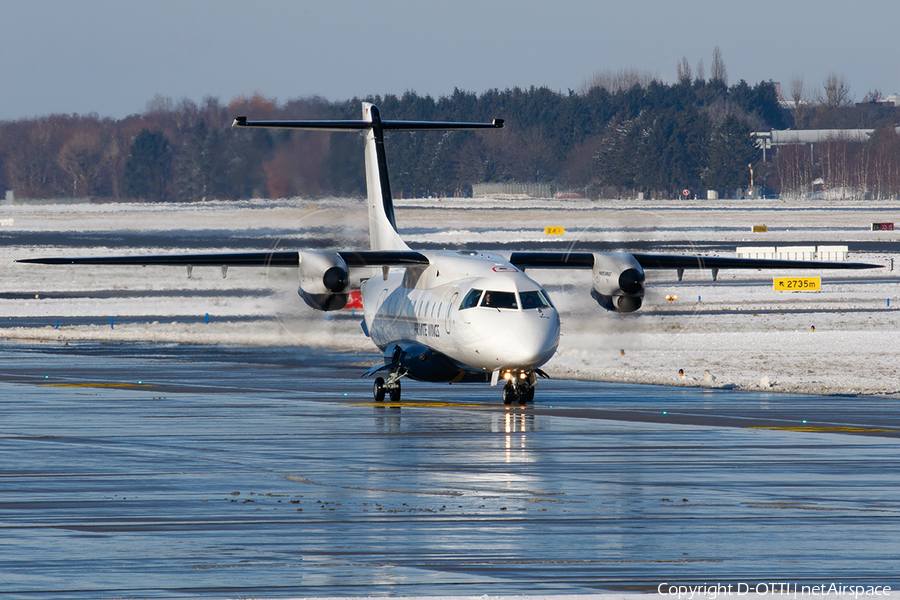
(447, 316)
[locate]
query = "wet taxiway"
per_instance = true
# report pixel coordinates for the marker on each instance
(148, 470)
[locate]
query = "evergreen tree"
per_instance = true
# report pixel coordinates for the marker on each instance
(148, 167)
(616, 161)
(672, 151)
(731, 150)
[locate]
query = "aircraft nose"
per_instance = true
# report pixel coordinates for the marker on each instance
(536, 341)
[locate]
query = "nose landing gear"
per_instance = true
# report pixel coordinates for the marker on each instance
(519, 387)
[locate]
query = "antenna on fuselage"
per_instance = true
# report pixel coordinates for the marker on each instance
(382, 224)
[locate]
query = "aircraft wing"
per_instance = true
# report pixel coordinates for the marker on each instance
(279, 258)
(676, 261)
(324, 274)
(585, 260)
(275, 258)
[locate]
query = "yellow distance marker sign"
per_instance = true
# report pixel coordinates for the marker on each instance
(554, 230)
(797, 284)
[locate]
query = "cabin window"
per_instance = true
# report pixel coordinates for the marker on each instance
(500, 300)
(471, 299)
(535, 299)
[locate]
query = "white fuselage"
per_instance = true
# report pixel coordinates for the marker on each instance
(508, 325)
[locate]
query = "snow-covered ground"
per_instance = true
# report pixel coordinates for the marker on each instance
(735, 333)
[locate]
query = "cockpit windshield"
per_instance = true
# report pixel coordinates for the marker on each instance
(500, 300)
(505, 300)
(535, 299)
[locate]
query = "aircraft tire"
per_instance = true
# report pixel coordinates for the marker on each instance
(378, 388)
(509, 394)
(395, 393)
(529, 395)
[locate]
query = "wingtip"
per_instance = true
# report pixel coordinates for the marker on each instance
(239, 121)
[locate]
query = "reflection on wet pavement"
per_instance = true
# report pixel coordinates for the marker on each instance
(167, 470)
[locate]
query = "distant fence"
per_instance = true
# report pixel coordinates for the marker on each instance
(825, 253)
(512, 190)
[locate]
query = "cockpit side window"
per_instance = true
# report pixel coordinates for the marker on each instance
(500, 300)
(534, 299)
(546, 297)
(471, 299)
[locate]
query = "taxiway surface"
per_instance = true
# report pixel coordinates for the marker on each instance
(154, 470)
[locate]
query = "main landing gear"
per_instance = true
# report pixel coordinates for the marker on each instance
(390, 387)
(519, 387)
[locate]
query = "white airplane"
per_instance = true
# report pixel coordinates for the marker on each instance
(447, 316)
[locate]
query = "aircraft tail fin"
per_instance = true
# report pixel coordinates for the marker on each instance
(383, 233)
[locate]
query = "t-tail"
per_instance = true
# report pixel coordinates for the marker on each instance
(383, 233)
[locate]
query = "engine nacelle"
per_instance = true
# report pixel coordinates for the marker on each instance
(618, 281)
(324, 280)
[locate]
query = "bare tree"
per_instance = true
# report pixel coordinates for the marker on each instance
(80, 158)
(701, 70)
(160, 104)
(683, 69)
(618, 81)
(717, 71)
(837, 91)
(885, 144)
(797, 90)
(874, 96)
(801, 99)
(794, 166)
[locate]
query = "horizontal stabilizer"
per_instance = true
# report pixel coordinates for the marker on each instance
(359, 125)
(383, 232)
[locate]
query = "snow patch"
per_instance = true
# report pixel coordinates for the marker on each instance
(737, 333)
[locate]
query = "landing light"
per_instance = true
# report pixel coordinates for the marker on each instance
(507, 375)
(522, 375)
(671, 298)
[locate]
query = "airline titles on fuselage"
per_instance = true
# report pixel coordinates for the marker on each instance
(428, 330)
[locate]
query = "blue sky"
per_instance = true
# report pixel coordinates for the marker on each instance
(111, 56)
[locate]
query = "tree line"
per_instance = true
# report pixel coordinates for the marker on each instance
(639, 135)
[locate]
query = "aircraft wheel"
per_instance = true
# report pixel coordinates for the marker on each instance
(522, 398)
(509, 394)
(395, 393)
(529, 394)
(379, 389)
